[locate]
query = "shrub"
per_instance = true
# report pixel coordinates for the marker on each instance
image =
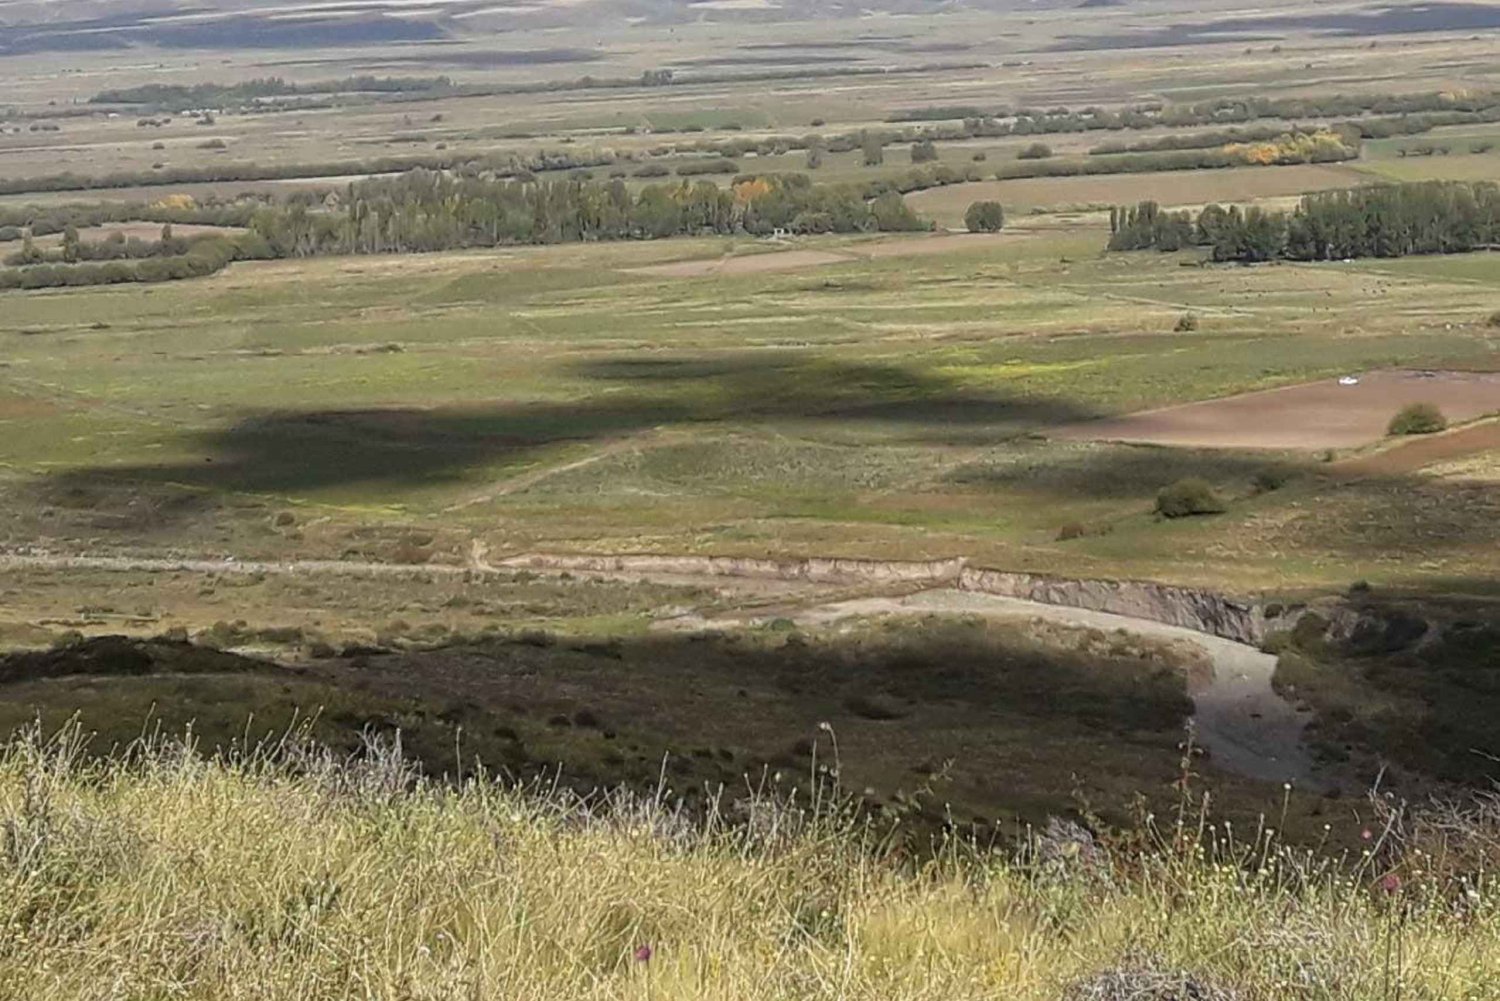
(1417, 418)
(1036, 151)
(721, 165)
(1186, 323)
(1269, 479)
(1494, 320)
(1072, 530)
(985, 217)
(1188, 497)
(923, 152)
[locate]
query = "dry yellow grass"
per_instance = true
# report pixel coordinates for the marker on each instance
(175, 877)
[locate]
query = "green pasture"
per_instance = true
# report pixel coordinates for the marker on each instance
(553, 397)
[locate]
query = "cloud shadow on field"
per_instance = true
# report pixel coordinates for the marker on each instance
(295, 451)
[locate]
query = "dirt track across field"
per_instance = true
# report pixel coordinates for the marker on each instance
(749, 264)
(1314, 415)
(797, 260)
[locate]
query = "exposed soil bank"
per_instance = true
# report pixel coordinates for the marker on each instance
(1188, 608)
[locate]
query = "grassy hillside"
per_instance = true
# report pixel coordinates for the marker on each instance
(289, 874)
(884, 402)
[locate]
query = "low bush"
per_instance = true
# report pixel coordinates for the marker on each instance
(1417, 418)
(1269, 479)
(1186, 323)
(1188, 497)
(985, 217)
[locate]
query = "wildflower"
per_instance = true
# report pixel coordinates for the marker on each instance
(1390, 882)
(642, 954)
(1366, 834)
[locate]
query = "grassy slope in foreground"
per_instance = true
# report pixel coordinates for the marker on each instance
(196, 879)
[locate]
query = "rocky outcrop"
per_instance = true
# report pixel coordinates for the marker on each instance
(1190, 608)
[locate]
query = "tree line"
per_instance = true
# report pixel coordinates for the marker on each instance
(1391, 220)
(180, 97)
(193, 258)
(509, 163)
(426, 210)
(321, 97)
(17, 221)
(1220, 112)
(1288, 148)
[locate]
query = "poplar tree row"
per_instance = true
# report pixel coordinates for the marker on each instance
(1396, 220)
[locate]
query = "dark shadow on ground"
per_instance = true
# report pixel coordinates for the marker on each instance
(995, 723)
(306, 450)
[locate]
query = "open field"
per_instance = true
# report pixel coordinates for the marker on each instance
(549, 398)
(337, 466)
(1321, 415)
(1171, 188)
(801, 260)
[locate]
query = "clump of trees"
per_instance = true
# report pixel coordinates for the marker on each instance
(1395, 220)
(985, 217)
(923, 151)
(1417, 418)
(431, 210)
(1148, 226)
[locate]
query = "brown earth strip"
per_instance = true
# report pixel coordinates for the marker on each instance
(1429, 450)
(1315, 415)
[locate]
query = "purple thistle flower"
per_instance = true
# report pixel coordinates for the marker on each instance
(642, 954)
